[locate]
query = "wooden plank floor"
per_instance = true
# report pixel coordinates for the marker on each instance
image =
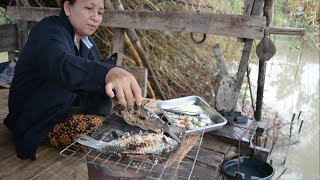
(49, 164)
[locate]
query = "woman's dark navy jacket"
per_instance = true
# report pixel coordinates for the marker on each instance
(48, 77)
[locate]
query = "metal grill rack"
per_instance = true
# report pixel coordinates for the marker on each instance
(178, 164)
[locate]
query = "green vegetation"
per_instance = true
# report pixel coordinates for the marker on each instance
(300, 14)
(3, 18)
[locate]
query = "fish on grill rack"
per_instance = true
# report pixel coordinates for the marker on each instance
(141, 117)
(137, 144)
(146, 119)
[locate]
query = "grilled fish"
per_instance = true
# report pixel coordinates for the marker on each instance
(137, 144)
(141, 117)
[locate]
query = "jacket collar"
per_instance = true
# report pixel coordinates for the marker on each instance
(67, 24)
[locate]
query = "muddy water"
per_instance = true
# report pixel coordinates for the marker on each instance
(292, 85)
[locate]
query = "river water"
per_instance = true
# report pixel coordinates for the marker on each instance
(291, 86)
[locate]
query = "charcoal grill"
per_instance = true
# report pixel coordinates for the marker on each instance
(178, 164)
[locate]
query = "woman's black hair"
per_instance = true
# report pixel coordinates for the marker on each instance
(70, 1)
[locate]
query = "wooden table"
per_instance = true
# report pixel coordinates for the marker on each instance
(215, 148)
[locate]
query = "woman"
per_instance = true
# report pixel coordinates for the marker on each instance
(60, 69)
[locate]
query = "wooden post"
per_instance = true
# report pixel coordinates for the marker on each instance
(256, 10)
(260, 89)
(220, 59)
(299, 114)
(291, 124)
(268, 10)
(299, 117)
(117, 41)
(300, 126)
(117, 44)
(265, 142)
(22, 30)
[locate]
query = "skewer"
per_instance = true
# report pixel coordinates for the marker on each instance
(195, 159)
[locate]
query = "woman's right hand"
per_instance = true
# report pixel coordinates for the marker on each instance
(125, 87)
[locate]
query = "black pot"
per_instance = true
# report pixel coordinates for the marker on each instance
(250, 168)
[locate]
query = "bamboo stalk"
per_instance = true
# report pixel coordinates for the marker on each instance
(250, 90)
(133, 51)
(136, 43)
(287, 31)
(139, 63)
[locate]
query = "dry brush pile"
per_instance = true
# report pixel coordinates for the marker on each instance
(181, 67)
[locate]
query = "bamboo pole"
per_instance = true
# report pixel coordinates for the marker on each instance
(250, 89)
(136, 43)
(138, 61)
(134, 53)
(287, 31)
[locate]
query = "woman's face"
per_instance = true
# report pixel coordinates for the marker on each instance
(85, 16)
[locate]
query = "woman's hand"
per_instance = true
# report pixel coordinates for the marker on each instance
(125, 86)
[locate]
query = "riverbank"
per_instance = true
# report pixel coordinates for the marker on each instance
(292, 85)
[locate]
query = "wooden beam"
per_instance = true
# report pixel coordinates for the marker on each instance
(250, 27)
(31, 13)
(248, 4)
